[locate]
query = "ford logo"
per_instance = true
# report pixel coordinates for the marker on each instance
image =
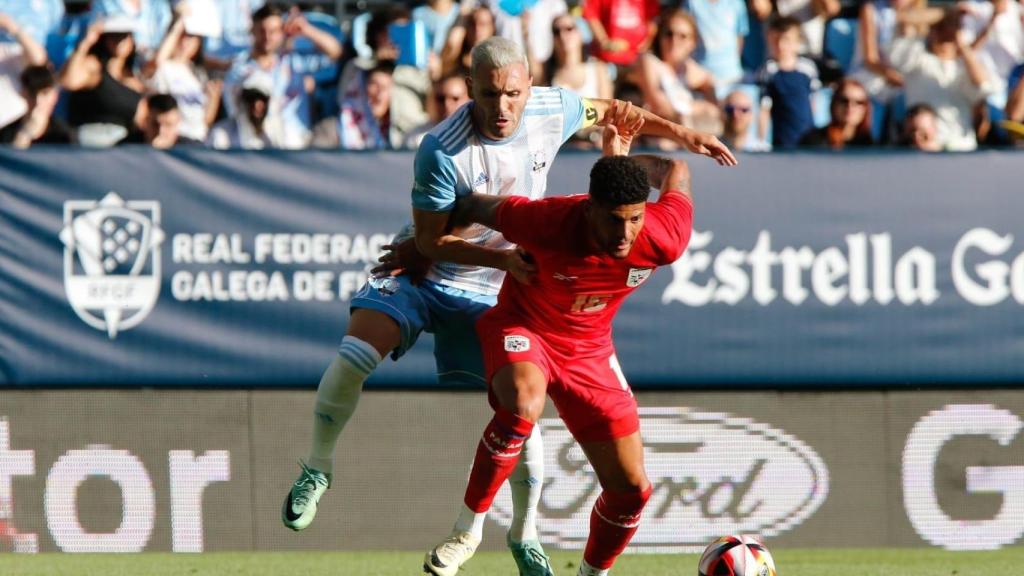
(712, 473)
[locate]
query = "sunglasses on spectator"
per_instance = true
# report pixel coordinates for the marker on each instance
(730, 109)
(847, 101)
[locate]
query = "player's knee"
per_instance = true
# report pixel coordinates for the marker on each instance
(637, 497)
(625, 503)
(376, 329)
(529, 407)
(521, 388)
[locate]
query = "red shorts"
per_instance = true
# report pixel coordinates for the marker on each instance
(590, 392)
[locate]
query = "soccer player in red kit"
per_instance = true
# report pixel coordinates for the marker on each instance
(554, 335)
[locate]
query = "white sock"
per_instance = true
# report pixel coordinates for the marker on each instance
(337, 397)
(526, 482)
(469, 521)
(588, 570)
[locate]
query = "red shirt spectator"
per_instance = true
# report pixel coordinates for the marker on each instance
(622, 28)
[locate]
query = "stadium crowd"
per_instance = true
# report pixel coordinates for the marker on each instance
(762, 74)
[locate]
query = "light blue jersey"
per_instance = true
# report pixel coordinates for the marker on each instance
(455, 160)
(236, 20)
(289, 100)
(39, 18)
(437, 25)
(151, 20)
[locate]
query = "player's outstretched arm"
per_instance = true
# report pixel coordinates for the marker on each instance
(654, 125)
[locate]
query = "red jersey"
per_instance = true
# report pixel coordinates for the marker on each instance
(576, 293)
(628, 20)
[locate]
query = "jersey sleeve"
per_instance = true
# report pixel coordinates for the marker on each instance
(670, 222)
(434, 178)
(574, 113)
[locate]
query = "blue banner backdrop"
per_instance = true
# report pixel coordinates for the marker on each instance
(142, 268)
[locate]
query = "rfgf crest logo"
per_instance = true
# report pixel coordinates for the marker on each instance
(712, 474)
(112, 260)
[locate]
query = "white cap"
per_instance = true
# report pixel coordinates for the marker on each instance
(260, 82)
(203, 19)
(119, 23)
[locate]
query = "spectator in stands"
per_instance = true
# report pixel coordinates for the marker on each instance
(365, 121)
(150, 19)
(995, 29)
(106, 93)
(1014, 121)
(669, 78)
(475, 24)
(538, 34)
(920, 129)
(409, 84)
(871, 65)
(811, 16)
(447, 95)
(528, 24)
(622, 29)
(722, 25)
(179, 68)
(251, 128)
(270, 54)
(787, 82)
(737, 121)
(437, 16)
(236, 27)
(570, 67)
(160, 125)
(1015, 95)
(943, 71)
(18, 51)
(38, 125)
(38, 18)
(850, 124)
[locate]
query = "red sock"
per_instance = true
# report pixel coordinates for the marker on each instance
(496, 456)
(613, 521)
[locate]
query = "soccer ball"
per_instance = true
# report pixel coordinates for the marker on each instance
(736, 556)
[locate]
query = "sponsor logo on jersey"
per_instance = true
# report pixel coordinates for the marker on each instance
(481, 179)
(515, 343)
(112, 260)
(564, 278)
(637, 276)
(713, 473)
(538, 161)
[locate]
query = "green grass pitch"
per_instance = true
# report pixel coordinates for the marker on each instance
(835, 562)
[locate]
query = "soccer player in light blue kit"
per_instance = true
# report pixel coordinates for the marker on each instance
(501, 143)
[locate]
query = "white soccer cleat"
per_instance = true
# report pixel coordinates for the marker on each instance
(450, 555)
(301, 503)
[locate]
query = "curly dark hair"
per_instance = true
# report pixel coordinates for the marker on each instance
(618, 180)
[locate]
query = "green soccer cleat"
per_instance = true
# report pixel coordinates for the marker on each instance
(530, 557)
(300, 505)
(450, 555)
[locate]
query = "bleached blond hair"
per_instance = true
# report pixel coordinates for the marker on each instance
(497, 52)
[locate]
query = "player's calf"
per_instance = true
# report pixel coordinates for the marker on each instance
(613, 521)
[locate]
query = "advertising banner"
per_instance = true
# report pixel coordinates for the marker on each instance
(193, 471)
(193, 268)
